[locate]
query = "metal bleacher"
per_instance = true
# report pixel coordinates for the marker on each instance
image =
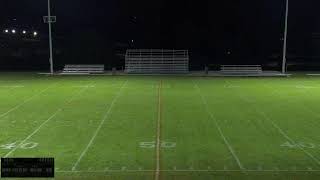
(150, 61)
(241, 69)
(83, 69)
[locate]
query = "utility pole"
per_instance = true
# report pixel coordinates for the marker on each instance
(284, 58)
(50, 38)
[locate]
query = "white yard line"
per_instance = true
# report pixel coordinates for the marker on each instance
(317, 115)
(44, 123)
(275, 125)
(99, 127)
(289, 139)
(27, 100)
(219, 128)
(158, 139)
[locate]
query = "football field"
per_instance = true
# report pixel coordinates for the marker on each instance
(164, 127)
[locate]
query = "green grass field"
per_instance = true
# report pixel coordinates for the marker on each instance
(181, 128)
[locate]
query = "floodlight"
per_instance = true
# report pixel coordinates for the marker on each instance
(24, 32)
(35, 33)
(6, 30)
(13, 31)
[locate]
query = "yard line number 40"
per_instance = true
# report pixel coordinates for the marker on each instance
(25, 145)
(299, 145)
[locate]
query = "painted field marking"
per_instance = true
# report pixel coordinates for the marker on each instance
(158, 138)
(44, 123)
(99, 127)
(194, 170)
(85, 86)
(302, 144)
(305, 87)
(27, 145)
(27, 100)
(289, 139)
(279, 129)
(231, 86)
(156, 86)
(13, 86)
(152, 144)
(304, 105)
(205, 103)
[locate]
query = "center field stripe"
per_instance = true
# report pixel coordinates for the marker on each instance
(27, 100)
(205, 103)
(158, 139)
(286, 136)
(45, 122)
(99, 127)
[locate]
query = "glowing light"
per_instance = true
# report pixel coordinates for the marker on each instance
(35, 33)
(13, 31)
(24, 32)
(6, 30)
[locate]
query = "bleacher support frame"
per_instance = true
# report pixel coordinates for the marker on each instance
(153, 61)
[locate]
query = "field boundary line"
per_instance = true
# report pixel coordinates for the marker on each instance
(27, 100)
(231, 150)
(286, 136)
(105, 117)
(45, 122)
(188, 170)
(158, 139)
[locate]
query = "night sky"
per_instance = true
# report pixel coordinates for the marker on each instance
(214, 31)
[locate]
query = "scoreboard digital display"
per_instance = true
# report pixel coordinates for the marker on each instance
(27, 167)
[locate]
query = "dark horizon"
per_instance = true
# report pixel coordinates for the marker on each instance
(213, 31)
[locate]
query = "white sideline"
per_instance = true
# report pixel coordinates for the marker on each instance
(16, 86)
(99, 127)
(279, 129)
(219, 128)
(27, 100)
(45, 122)
(188, 170)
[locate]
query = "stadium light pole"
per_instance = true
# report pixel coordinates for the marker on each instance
(50, 38)
(284, 57)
